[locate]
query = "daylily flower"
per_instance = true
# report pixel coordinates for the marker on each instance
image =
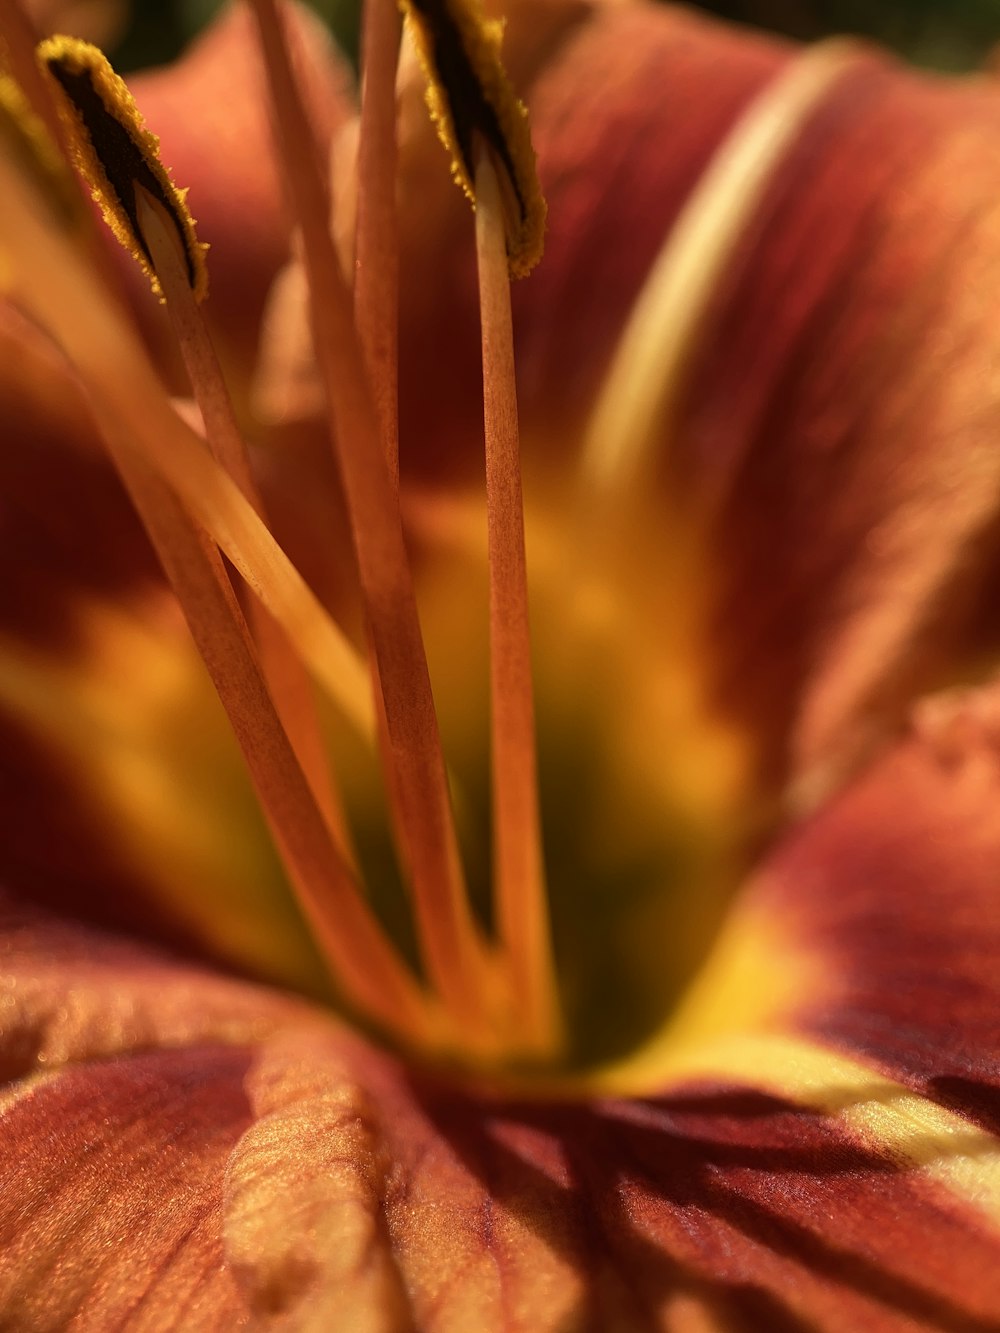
(726, 1055)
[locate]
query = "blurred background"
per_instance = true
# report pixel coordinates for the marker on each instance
(942, 34)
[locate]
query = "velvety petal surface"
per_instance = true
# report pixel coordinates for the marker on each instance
(110, 1213)
(410, 1203)
(864, 483)
(891, 895)
(74, 995)
(268, 1168)
(123, 1096)
(187, 1149)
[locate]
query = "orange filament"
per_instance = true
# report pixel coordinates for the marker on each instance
(519, 874)
(287, 678)
(51, 282)
(418, 791)
(376, 282)
(486, 1000)
(364, 963)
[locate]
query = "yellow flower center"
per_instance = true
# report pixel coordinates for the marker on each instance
(555, 902)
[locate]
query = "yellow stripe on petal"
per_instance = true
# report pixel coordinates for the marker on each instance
(116, 154)
(886, 1115)
(754, 980)
(474, 108)
(636, 411)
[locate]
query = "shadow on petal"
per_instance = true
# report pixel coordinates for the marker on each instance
(753, 1209)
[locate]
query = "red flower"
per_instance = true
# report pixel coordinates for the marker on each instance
(757, 398)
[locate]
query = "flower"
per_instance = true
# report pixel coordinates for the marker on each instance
(757, 397)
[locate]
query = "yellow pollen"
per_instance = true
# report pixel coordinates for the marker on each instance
(116, 154)
(475, 110)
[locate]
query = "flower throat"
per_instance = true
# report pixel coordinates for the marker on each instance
(481, 996)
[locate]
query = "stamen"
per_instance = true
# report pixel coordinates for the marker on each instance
(418, 791)
(220, 506)
(289, 683)
(363, 963)
(376, 283)
(116, 154)
(155, 224)
(472, 103)
(190, 471)
(131, 411)
(519, 877)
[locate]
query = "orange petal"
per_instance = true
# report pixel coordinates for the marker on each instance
(315, 1159)
(114, 1172)
(842, 382)
(123, 1097)
(203, 1148)
(73, 994)
(846, 388)
(410, 1203)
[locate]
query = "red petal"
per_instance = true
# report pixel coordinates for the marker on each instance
(844, 378)
(74, 994)
(125, 1097)
(849, 377)
(893, 892)
(307, 1179)
(111, 1208)
(493, 1214)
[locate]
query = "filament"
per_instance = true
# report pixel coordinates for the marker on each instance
(288, 680)
(519, 876)
(376, 282)
(450, 941)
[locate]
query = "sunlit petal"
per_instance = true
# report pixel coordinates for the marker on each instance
(716, 1199)
(769, 874)
(891, 892)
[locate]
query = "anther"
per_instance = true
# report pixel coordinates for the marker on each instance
(472, 104)
(116, 154)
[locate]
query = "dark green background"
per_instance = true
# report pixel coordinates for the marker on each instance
(948, 34)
